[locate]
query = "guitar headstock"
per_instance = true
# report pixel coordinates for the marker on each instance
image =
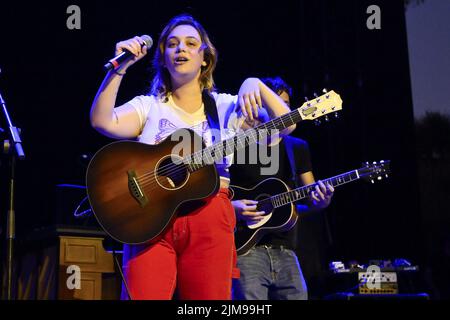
(329, 102)
(375, 171)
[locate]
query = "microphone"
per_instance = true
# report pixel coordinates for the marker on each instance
(125, 55)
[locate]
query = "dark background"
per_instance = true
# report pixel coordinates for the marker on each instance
(50, 76)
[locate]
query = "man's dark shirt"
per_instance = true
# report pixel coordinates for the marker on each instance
(248, 175)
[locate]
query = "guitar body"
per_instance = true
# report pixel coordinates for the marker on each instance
(276, 200)
(276, 219)
(135, 189)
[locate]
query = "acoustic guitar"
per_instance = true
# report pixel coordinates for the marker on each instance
(277, 201)
(136, 189)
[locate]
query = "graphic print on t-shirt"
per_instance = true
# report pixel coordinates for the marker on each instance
(166, 128)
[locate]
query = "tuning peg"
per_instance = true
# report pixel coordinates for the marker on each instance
(315, 95)
(336, 115)
(380, 178)
(386, 175)
(326, 118)
(372, 181)
(308, 104)
(324, 90)
(317, 122)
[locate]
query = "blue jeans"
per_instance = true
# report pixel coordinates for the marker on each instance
(269, 274)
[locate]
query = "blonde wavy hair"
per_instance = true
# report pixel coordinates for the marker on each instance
(161, 85)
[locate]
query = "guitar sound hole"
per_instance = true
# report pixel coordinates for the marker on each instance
(171, 175)
(264, 205)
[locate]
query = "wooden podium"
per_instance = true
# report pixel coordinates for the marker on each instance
(66, 263)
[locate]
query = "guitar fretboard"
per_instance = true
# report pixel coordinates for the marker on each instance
(219, 150)
(303, 192)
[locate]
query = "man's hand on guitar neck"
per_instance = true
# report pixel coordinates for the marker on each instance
(321, 196)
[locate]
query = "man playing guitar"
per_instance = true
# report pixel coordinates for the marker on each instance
(270, 270)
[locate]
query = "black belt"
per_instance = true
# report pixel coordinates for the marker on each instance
(272, 246)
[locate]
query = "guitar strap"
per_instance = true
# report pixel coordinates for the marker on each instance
(211, 112)
(213, 120)
(289, 146)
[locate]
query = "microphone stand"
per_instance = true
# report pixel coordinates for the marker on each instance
(13, 152)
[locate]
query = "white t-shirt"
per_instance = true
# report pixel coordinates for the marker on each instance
(160, 119)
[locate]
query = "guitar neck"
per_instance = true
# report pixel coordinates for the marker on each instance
(221, 149)
(303, 192)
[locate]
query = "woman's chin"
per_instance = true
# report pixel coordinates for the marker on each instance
(183, 74)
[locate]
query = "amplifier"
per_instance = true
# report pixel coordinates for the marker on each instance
(374, 280)
(378, 283)
(383, 297)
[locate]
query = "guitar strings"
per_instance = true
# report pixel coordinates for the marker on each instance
(275, 122)
(178, 169)
(197, 158)
(142, 177)
(149, 178)
(152, 172)
(171, 171)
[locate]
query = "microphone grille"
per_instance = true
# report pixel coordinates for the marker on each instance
(148, 41)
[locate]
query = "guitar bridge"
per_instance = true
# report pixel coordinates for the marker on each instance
(136, 191)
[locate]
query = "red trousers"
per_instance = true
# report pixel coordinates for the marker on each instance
(196, 255)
